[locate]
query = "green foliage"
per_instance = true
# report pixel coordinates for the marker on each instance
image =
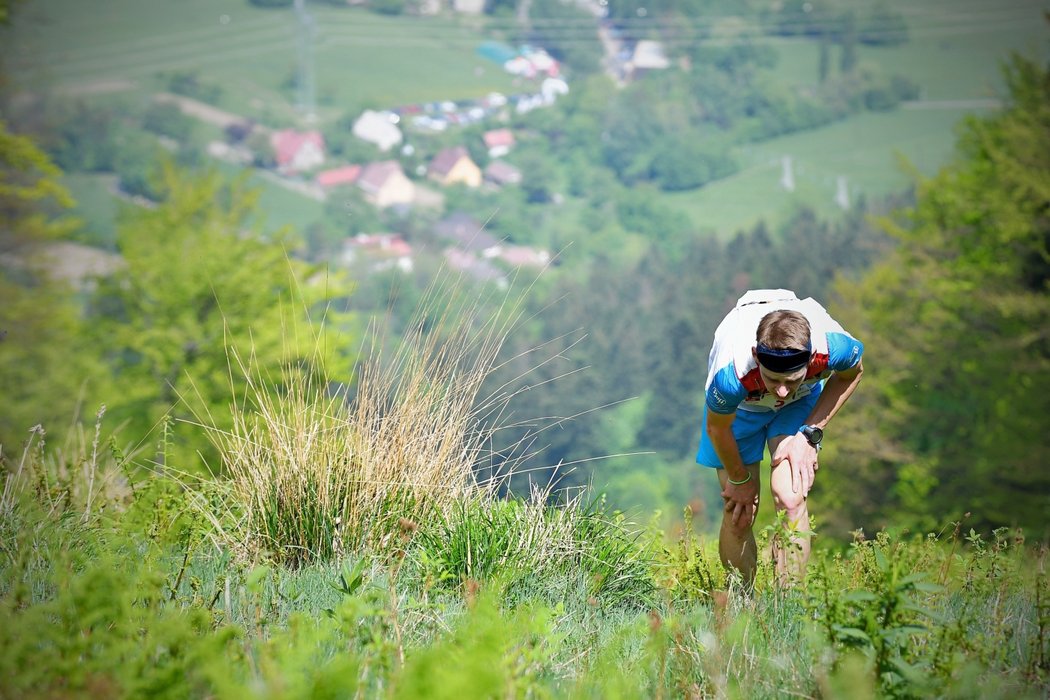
(388, 7)
(168, 320)
(167, 119)
(137, 163)
(140, 602)
(883, 622)
(688, 165)
(189, 84)
(38, 321)
(520, 545)
(488, 654)
(80, 136)
(108, 632)
(949, 321)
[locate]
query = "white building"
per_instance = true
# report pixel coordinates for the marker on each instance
(378, 128)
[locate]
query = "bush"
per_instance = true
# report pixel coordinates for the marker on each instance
(683, 164)
(167, 119)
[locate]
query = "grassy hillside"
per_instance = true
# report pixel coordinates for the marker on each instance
(140, 586)
(954, 55)
(871, 151)
(362, 59)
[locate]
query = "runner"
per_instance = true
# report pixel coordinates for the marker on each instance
(780, 369)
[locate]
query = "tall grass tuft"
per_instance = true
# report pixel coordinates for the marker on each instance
(315, 472)
(527, 545)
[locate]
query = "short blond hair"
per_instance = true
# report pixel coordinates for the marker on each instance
(783, 330)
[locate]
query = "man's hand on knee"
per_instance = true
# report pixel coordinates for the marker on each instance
(802, 462)
(741, 503)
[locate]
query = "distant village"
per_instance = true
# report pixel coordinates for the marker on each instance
(301, 163)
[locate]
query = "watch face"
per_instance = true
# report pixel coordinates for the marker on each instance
(814, 435)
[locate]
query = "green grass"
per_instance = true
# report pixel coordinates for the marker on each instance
(864, 149)
(277, 206)
(127, 594)
(361, 58)
(120, 582)
(95, 206)
(955, 47)
(953, 53)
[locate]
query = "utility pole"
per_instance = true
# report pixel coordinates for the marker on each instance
(842, 192)
(307, 31)
(787, 177)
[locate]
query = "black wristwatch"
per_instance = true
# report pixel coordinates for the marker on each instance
(814, 435)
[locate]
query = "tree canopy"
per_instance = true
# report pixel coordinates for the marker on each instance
(957, 321)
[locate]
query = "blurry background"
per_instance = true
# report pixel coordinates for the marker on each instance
(626, 168)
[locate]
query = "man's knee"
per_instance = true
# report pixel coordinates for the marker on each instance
(784, 498)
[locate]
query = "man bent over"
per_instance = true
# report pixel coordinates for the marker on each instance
(779, 370)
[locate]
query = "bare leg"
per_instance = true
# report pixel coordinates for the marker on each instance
(792, 556)
(736, 542)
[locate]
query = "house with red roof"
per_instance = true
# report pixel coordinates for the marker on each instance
(498, 141)
(338, 177)
(297, 151)
(381, 251)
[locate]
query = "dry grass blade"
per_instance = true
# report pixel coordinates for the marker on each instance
(315, 473)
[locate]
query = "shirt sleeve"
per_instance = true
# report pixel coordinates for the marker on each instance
(725, 392)
(844, 351)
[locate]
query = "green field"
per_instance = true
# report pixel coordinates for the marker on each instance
(277, 206)
(867, 150)
(361, 59)
(954, 49)
(955, 54)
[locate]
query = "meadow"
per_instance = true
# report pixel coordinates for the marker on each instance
(347, 549)
(362, 59)
(875, 153)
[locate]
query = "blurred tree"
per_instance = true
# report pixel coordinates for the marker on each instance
(199, 284)
(79, 136)
(136, 163)
(44, 365)
(189, 84)
(168, 120)
(881, 25)
(848, 38)
(957, 323)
